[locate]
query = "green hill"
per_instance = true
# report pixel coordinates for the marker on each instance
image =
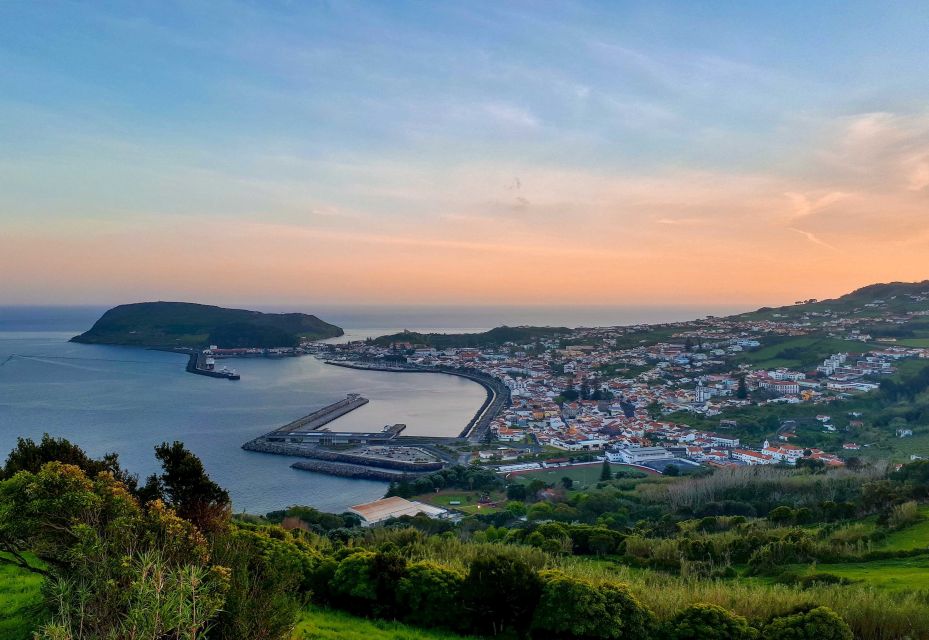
(492, 338)
(872, 300)
(185, 324)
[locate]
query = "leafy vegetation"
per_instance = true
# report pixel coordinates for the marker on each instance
(748, 553)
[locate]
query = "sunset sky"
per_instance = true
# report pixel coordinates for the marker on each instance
(449, 152)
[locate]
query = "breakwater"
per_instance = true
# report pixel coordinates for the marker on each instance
(350, 470)
(498, 394)
(324, 416)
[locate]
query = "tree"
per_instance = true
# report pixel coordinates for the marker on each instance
(672, 470)
(188, 489)
(570, 394)
(269, 581)
(430, 595)
(567, 482)
(742, 390)
(116, 569)
(501, 592)
(708, 622)
(605, 472)
(516, 491)
(821, 623)
(570, 608)
(353, 583)
(29, 456)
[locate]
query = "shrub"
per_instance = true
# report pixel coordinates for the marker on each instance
(353, 585)
(501, 592)
(270, 581)
(571, 608)
(819, 623)
(708, 622)
(903, 515)
(430, 595)
(574, 608)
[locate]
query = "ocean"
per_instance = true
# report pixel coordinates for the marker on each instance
(129, 400)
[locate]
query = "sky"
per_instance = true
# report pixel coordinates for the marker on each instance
(461, 152)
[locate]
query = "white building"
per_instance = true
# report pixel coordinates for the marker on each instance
(638, 455)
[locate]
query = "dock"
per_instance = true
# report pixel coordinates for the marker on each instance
(196, 364)
(324, 416)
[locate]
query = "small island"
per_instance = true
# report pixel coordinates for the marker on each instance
(190, 325)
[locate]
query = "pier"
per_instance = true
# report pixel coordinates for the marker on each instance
(324, 416)
(197, 365)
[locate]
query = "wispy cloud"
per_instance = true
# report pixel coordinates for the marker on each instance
(813, 238)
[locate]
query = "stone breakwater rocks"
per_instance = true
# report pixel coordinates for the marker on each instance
(350, 470)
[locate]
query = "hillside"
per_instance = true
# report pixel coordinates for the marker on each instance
(185, 324)
(872, 300)
(492, 338)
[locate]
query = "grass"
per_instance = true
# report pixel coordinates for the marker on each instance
(901, 575)
(324, 624)
(19, 602)
(915, 536)
(913, 342)
(583, 477)
(468, 499)
(800, 352)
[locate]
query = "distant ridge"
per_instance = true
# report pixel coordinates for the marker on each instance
(187, 324)
(895, 296)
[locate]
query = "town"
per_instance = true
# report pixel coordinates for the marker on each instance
(660, 395)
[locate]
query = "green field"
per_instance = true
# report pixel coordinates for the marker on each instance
(19, 601)
(895, 574)
(584, 476)
(912, 537)
(913, 342)
(799, 353)
(469, 501)
(324, 624)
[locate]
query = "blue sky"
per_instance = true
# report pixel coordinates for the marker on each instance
(429, 129)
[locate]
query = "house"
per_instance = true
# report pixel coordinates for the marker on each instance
(783, 452)
(752, 457)
(851, 446)
(904, 433)
(638, 455)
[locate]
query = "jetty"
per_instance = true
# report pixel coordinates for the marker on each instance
(202, 366)
(324, 416)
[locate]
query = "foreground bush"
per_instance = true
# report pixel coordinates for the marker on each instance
(570, 608)
(708, 622)
(819, 623)
(501, 593)
(430, 596)
(269, 581)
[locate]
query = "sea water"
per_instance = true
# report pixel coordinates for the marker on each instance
(129, 400)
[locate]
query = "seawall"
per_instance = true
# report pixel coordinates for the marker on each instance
(498, 394)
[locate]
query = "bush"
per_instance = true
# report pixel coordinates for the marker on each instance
(430, 596)
(819, 623)
(270, 581)
(571, 608)
(903, 515)
(501, 592)
(574, 608)
(708, 622)
(353, 585)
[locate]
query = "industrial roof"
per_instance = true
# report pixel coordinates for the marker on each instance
(394, 507)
